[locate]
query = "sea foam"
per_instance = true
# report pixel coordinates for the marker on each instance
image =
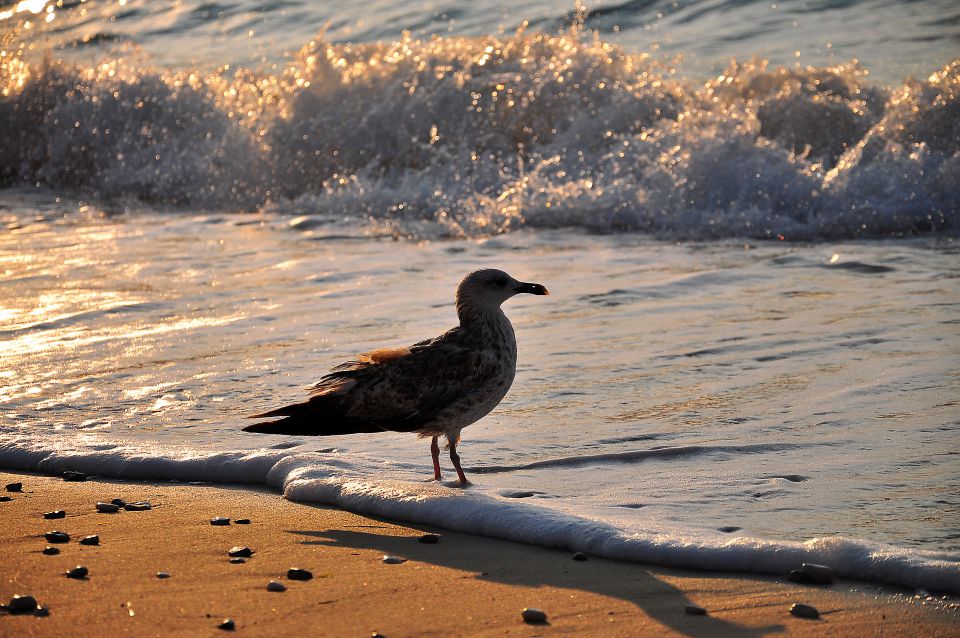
(471, 136)
(346, 480)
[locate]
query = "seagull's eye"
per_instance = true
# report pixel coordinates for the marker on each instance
(500, 282)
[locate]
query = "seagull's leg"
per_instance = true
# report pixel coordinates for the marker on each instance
(435, 453)
(456, 463)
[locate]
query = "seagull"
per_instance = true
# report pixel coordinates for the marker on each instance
(434, 388)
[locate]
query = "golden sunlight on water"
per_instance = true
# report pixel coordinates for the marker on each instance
(32, 6)
(77, 297)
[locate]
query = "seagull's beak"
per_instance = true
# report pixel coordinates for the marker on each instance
(533, 289)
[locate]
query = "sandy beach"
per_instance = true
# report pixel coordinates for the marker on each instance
(462, 585)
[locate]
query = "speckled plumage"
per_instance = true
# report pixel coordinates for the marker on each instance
(434, 388)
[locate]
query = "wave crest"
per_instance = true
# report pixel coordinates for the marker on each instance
(470, 136)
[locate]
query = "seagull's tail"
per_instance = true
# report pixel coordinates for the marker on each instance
(305, 419)
(289, 425)
(294, 409)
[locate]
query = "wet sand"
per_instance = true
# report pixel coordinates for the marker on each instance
(462, 586)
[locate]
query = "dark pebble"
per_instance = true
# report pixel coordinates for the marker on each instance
(295, 573)
(804, 611)
(119, 502)
(108, 508)
(219, 520)
(57, 537)
(43, 612)
(729, 529)
(78, 572)
(695, 610)
(74, 477)
(819, 574)
(393, 560)
(377, 634)
(22, 604)
(5, 499)
(90, 540)
(51, 551)
(227, 625)
(163, 575)
(429, 539)
(139, 506)
(54, 514)
(242, 521)
(14, 487)
(579, 556)
(275, 586)
(533, 615)
(240, 552)
(238, 561)
(797, 576)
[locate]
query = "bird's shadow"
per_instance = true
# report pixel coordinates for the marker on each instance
(487, 560)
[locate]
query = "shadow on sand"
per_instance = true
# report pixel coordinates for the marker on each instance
(511, 563)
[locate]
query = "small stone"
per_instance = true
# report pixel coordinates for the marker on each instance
(139, 506)
(695, 610)
(108, 508)
(579, 556)
(219, 520)
(429, 539)
(22, 604)
(119, 502)
(240, 552)
(729, 529)
(5, 499)
(14, 487)
(242, 521)
(42, 612)
(163, 575)
(54, 514)
(804, 611)
(227, 625)
(275, 586)
(74, 477)
(295, 573)
(819, 574)
(90, 540)
(78, 572)
(57, 537)
(51, 551)
(533, 615)
(377, 634)
(393, 560)
(797, 576)
(238, 561)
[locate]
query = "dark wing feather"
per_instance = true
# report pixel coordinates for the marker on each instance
(407, 393)
(401, 392)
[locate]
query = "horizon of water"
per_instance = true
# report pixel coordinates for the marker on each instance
(748, 359)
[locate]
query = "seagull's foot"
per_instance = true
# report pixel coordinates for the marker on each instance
(464, 483)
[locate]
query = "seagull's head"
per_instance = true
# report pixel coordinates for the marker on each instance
(488, 288)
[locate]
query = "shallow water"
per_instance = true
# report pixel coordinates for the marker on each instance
(200, 217)
(791, 391)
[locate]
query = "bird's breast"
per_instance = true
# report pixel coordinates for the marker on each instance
(496, 368)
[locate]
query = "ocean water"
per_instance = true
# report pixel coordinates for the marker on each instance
(749, 356)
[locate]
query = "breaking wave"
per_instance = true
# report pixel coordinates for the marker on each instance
(468, 136)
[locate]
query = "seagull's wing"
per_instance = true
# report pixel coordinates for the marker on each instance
(400, 390)
(405, 391)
